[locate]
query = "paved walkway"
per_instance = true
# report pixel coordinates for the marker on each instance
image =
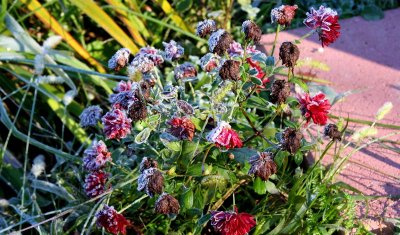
(365, 57)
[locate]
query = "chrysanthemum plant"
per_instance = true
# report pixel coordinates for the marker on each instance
(215, 147)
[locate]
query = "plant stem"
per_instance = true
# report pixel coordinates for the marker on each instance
(278, 28)
(360, 121)
(219, 203)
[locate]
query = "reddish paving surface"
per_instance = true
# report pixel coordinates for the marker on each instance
(367, 57)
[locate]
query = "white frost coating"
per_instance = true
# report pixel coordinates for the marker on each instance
(213, 135)
(38, 166)
(214, 39)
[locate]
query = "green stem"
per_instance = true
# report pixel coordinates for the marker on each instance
(133, 203)
(360, 121)
(278, 28)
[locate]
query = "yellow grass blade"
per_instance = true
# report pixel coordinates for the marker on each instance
(120, 9)
(166, 7)
(90, 8)
(47, 19)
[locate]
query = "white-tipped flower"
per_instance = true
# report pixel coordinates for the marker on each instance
(38, 166)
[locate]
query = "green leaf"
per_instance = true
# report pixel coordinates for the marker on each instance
(143, 136)
(298, 158)
(187, 199)
(271, 188)
(242, 155)
(52, 188)
(183, 5)
(259, 186)
(280, 157)
(300, 83)
(372, 12)
(256, 81)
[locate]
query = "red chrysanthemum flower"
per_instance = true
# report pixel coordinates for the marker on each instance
(112, 221)
(96, 156)
(116, 124)
(325, 21)
(181, 127)
(224, 136)
(95, 183)
(232, 223)
(260, 73)
(315, 108)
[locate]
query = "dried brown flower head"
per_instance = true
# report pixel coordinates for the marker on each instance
(219, 42)
(185, 107)
(289, 54)
(167, 204)
(280, 90)
(230, 70)
(147, 163)
(251, 31)
(182, 128)
(331, 130)
(284, 14)
(262, 165)
(291, 140)
(138, 111)
(151, 181)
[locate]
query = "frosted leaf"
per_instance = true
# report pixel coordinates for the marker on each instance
(69, 97)
(50, 79)
(52, 42)
(39, 64)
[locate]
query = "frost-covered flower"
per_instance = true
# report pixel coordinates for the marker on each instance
(182, 128)
(314, 107)
(95, 183)
(184, 107)
(209, 62)
(184, 71)
(96, 156)
(173, 50)
(151, 181)
(124, 86)
(147, 163)
(289, 53)
(140, 63)
(112, 221)
(123, 100)
(38, 166)
(90, 116)
(116, 124)
(291, 140)
(280, 90)
(262, 165)
(120, 59)
(230, 70)
(205, 28)
(231, 222)
(325, 21)
(224, 136)
(167, 204)
(251, 31)
(283, 15)
(219, 42)
(235, 49)
(152, 53)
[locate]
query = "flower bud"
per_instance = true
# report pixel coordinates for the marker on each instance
(185, 70)
(230, 70)
(95, 183)
(147, 163)
(185, 107)
(90, 116)
(280, 90)
(283, 15)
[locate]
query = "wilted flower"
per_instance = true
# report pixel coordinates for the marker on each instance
(185, 70)
(152, 53)
(151, 181)
(184, 107)
(38, 166)
(325, 21)
(116, 124)
(315, 107)
(120, 59)
(147, 163)
(291, 140)
(223, 135)
(280, 90)
(167, 204)
(181, 127)
(95, 183)
(96, 156)
(90, 116)
(262, 165)
(205, 28)
(283, 15)
(112, 221)
(289, 54)
(230, 70)
(232, 223)
(138, 110)
(219, 42)
(140, 63)
(173, 51)
(251, 31)
(123, 100)
(209, 62)
(331, 130)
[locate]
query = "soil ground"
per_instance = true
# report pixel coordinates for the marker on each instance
(366, 57)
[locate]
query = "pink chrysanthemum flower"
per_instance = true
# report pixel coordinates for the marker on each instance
(173, 50)
(152, 53)
(325, 21)
(315, 107)
(235, 49)
(184, 71)
(231, 222)
(112, 221)
(116, 124)
(123, 86)
(140, 63)
(96, 156)
(209, 62)
(283, 15)
(95, 183)
(224, 136)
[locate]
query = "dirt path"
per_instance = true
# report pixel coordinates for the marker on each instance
(366, 57)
